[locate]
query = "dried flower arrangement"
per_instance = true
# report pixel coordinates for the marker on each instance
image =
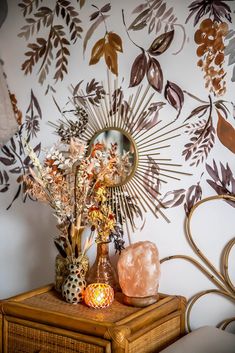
(74, 182)
(100, 215)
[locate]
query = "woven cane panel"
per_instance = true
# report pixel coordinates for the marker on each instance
(156, 338)
(22, 339)
(52, 302)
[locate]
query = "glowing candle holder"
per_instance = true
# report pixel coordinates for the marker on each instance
(99, 295)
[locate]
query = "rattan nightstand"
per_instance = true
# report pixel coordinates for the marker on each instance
(39, 321)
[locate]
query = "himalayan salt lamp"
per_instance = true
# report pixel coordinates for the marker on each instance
(99, 295)
(139, 272)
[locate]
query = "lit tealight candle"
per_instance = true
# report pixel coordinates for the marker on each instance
(99, 295)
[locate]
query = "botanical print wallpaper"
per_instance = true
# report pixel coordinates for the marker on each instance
(54, 52)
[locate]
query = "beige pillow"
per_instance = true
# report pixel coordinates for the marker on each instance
(206, 339)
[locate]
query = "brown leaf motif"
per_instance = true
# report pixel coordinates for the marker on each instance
(222, 182)
(174, 95)
(173, 198)
(161, 43)
(97, 51)
(155, 75)
(94, 92)
(155, 14)
(140, 21)
(148, 119)
(226, 133)
(110, 56)
(55, 44)
(91, 30)
(193, 194)
(105, 8)
(12, 158)
(138, 70)
(117, 99)
(152, 182)
(140, 8)
(107, 47)
(215, 9)
(202, 138)
(115, 41)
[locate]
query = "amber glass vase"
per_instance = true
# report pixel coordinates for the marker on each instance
(102, 271)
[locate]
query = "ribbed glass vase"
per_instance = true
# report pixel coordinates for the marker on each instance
(102, 271)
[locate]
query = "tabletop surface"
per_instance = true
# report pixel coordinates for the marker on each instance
(51, 301)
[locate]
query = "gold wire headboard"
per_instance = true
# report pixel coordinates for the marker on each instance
(221, 278)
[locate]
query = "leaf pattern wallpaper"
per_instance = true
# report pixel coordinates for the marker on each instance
(54, 52)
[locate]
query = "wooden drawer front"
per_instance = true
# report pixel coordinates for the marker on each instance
(26, 339)
(156, 337)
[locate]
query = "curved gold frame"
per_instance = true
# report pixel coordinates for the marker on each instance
(130, 138)
(221, 278)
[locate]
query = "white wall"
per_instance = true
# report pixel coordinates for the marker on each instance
(26, 230)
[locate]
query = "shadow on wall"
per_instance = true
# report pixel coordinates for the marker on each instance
(29, 258)
(40, 245)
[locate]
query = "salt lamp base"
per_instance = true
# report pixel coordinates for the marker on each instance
(140, 302)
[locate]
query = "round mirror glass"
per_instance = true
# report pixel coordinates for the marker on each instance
(121, 147)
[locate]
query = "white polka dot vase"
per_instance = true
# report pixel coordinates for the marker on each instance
(73, 288)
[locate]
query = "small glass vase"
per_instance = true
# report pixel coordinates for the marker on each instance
(102, 271)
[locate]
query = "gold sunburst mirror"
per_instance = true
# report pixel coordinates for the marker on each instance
(133, 126)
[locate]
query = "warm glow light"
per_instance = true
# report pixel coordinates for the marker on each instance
(99, 295)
